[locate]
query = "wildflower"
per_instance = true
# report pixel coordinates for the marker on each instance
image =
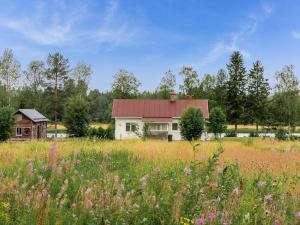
(200, 221)
(187, 171)
(143, 180)
(262, 184)
(157, 170)
(298, 215)
(236, 191)
(268, 197)
(5, 205)
(277, 222)
(52, 154)
(89, 204)
(211, 216)
(219, 170)
(87, 191)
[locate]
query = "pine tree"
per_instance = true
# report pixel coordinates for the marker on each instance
(235, 96)
(220, 89)
(258, 92)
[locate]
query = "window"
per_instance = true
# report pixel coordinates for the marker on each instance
(130, 127)
(174, 126)
(19, 131)
(133, 127)
(127, 126)
(158, 127)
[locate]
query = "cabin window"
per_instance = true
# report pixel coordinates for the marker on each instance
(174, 126)
(18, 131)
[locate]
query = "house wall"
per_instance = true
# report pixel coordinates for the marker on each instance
(122, 134)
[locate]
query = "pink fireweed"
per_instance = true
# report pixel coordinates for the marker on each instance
(52, 154)
(187, 171)
(298, 215)
(200, 221)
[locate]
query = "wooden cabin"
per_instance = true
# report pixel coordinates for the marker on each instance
(30, 124)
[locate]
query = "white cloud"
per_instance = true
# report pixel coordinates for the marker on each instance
(233, 43)
(296, 35)
(59, 27)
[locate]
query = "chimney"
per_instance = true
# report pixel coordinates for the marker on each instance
(172, 96)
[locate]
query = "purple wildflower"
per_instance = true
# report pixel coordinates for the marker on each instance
(277, 222)
(200, 221)
(298, 215)
(211, 216)
(187, 171)
(219, 170)
(268, 197)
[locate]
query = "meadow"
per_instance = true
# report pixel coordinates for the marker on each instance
(82, 181)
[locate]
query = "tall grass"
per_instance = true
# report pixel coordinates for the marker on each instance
(95, 186)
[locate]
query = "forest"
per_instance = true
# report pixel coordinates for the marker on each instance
(244, 94)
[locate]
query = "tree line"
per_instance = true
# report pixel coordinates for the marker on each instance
(245, 96)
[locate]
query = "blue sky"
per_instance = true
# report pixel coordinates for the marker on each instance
(149, 37)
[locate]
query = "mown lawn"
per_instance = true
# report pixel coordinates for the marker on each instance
(81, 181)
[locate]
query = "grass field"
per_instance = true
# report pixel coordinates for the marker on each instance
(81, 181)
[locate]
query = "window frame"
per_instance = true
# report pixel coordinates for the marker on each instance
(175, 124)
(18, 134)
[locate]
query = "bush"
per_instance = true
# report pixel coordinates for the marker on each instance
(230, 134)
(217, 122)
(191, 124)
(7, 122)
(281, 134)
(76, 116)
(102, 133)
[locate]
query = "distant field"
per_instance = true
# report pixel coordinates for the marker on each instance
(80, 181)
(61, 128)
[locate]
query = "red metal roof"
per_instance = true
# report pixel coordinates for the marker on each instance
(154, 108)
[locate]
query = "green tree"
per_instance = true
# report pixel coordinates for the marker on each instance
(167, 84)
(125, 85)
(206, 89)
(76, 116)
(81, 75)
(287, 93)
(57, 72)
(191, 124)
(236, 85)
(217, 122)
(220, 89)
(258, 92)
(7, 122)
(190, 81)
(9, 72)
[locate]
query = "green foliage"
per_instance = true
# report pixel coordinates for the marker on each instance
(191, 124)
(76, 116)
(257, 98)
(190, 82)
(102, 133)
(217, 121)
(7, 122)
(125, 85)
(281, 134)
(236, 87)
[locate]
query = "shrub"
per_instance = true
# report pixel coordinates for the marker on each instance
(76, 116)
(102, 133)
(7, 122)
(281, 134)
(217, 121)
(191, 124)
(230, 134)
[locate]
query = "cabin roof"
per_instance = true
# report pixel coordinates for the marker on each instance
(33, 115)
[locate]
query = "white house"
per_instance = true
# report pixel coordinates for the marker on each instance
(163, 116)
